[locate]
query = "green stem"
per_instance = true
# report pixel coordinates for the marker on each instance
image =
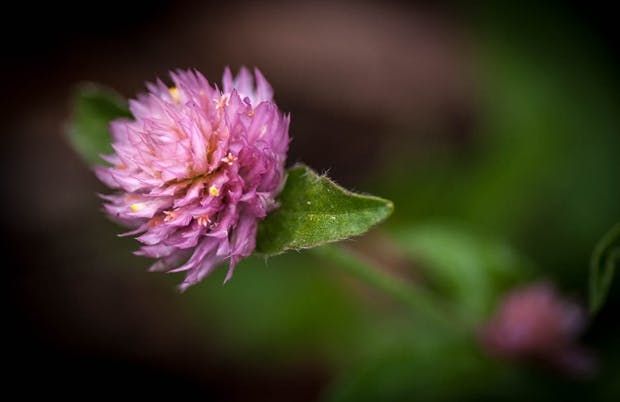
(419, 299)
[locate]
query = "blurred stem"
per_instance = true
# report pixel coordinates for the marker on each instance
(419, 299)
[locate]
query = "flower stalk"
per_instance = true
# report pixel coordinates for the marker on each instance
(419, 299)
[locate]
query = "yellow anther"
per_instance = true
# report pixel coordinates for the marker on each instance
(214, 191)
(136, 207)
(174, 93)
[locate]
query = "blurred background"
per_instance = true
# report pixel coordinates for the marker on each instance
(495, 131)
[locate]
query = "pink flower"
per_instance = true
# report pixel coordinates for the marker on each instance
(196, 170)
(535, 322)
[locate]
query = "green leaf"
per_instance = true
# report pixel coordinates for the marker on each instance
(314, 210)
(93, 109)
(603, 263)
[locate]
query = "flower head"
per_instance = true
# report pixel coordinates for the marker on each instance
(196, 169)
(535, 322)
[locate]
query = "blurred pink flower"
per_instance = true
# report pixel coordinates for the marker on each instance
(535, 322)
(196, 169)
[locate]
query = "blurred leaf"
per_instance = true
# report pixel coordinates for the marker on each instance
(605, 257)
(93, 109)
(469, 268)
(314, 210)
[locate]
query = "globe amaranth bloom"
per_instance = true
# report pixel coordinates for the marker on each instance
(196, 169)
(535, 322)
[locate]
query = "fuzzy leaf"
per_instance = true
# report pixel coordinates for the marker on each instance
(314, 210)
(603, 263)
(93, 109)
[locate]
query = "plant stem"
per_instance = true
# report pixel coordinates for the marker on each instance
(419, 299)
